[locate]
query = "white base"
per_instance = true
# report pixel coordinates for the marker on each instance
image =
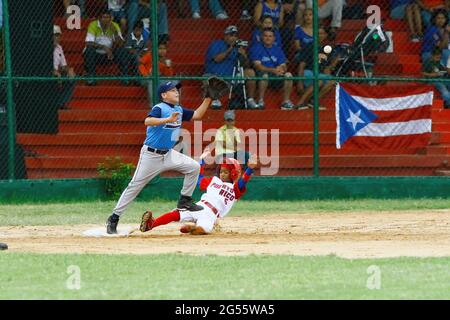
(101, 232)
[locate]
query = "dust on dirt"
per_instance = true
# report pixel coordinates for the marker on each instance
(349, 235)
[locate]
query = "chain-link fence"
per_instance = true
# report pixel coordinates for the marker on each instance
(359, 88)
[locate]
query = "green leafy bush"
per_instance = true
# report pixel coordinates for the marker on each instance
(115, 175)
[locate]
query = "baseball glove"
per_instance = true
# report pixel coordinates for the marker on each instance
(215, 88)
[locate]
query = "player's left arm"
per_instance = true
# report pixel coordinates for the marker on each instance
(203, 182)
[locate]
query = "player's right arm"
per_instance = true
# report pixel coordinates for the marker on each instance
(154, 118)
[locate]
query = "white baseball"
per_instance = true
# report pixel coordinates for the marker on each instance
(327, 49)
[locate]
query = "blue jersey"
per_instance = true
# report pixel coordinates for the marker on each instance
(270, 57)
(274, 13)
(224, 68)
(302, 36)
(431, 38)
(165, 136)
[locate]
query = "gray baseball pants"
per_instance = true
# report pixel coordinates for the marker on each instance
(150, 165)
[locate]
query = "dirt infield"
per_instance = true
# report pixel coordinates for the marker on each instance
(355, 235)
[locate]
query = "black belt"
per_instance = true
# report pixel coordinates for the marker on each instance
(157, 151)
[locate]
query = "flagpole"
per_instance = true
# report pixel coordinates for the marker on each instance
(316, 88)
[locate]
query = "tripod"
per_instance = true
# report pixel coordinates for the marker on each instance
(238, 70)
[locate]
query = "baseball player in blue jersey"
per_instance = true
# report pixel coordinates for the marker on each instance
(163, 129)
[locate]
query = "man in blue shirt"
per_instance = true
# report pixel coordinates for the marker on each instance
(269, 59)
(222, 56)
(157, 154)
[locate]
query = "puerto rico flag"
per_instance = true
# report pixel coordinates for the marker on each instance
(369, 117)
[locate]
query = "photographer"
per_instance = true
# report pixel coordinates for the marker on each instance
(222, 57)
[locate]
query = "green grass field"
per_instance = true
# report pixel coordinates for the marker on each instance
(31, 276)
(177, 276)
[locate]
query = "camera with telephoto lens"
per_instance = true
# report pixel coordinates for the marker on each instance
(241, 43)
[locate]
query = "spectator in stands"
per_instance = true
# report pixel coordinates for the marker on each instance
(272, 8)
(291, 10)
(327, 64)
(427, 7)
(437, 34)
(432, 68)
(410, 9)
(222, 57)
(267, 23)
(136, 47)
(302, 39)
(119, 13)
(214, 5)
(164, 64)
(80, 3)
(227, 142)
(104, 44)
(140, 9)
(329, 8)
(61, 69)
(269, 60)
(299, 12)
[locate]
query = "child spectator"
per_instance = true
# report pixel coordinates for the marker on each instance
(164, 64)
(271, 60)
(136, 47)
(432, 68)
(228, 141)
(267, 23)
(436, 35)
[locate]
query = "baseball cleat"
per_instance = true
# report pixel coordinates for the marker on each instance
(185, 203)
(147, 221)
(111, 224)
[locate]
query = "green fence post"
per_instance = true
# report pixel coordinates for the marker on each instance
(9, 94)
(155, 62)
(316, 88)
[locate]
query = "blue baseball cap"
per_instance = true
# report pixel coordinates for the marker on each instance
(168, 85)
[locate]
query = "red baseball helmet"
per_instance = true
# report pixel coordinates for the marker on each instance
(233, 166)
